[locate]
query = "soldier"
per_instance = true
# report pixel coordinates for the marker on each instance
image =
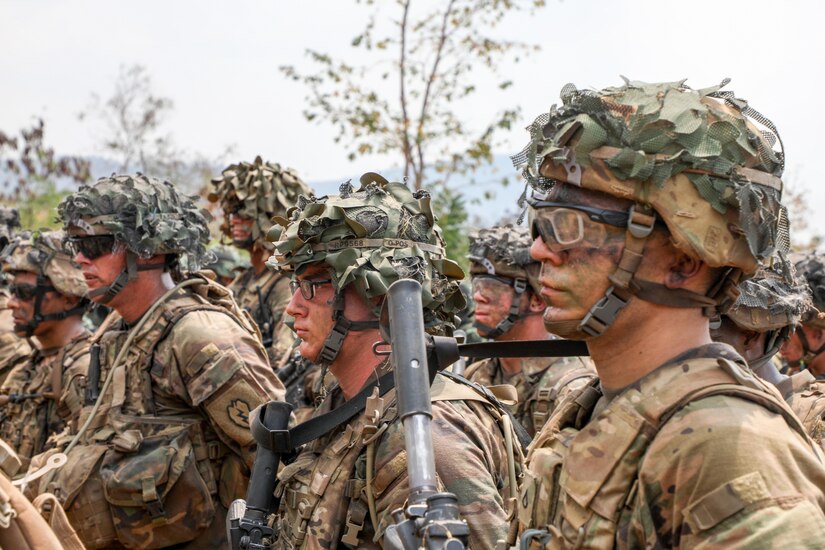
(228, 264)
(806, 347)
(251, 194)
(769, 307)
(344, 252)
(42, 393)
(12, 347)
(648, 202)
(509, 307)
(164, 443)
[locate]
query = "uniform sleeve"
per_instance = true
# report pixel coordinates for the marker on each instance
(470, 463)
(225, 372)
(742, 480)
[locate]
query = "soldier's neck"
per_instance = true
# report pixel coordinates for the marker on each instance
(60, 333)
(139, 294)
(643, 337)
(356, 364)
(258, 257)
(528, 328)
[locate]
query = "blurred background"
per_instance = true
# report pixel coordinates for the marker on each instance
(181, 89)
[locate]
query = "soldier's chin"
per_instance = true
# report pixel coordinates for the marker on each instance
(564, 328)
(246, 243)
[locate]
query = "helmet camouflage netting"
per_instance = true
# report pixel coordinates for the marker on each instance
(257, 191)
(9, 221)
(370, 238)
(811, 268)
(703, 159)
(43, 254)
(146, 214)
(504, 251)
(774, 298)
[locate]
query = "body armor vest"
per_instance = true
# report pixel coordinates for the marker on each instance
(147, 471)
(585, 503)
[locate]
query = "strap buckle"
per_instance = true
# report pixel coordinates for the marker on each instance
(603, 313)
(640, 224)
(542, 536)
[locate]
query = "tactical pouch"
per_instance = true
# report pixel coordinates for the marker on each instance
(157, 495)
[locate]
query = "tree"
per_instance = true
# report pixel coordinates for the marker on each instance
(31, 171)
(433, 59)
(133, 116)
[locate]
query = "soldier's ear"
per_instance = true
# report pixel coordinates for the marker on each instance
(536, 303)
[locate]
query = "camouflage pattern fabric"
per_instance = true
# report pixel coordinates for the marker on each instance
(257, 191)
(321, 490)
(541, 384)
(807, 400)
(504, 251)
(145, 213)
(43, 254)
(9, 221)
(12, 347)
(370, 238)
(811, 267)
(695, 156)
(170, 446)
(43, 410)
(274, 289)
(634, 472)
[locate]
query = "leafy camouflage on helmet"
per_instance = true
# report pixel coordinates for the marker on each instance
(9, 221)
(370, 238)
(696, 156)
(227, 261)
(811, 268)
(43, 254)
(774, 298)
(148, 215)
(257, 191)
(504, 251)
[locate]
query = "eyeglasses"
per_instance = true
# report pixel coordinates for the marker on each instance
(307, 286)
(91, 246)
(564, 226)
(27, 292)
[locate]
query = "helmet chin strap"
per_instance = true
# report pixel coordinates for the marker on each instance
(342, 326)
(130, 273)
(519, 287)
(43, 286)
(640, 224)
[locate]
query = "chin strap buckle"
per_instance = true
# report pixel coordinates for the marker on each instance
(604, 312)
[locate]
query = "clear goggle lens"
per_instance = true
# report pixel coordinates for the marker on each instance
(565, 228)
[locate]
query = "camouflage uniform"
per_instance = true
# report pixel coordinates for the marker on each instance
(259, 191)
(504, 253)
(48, 383)
(167, 445)
(12, 347)
(699, 451)
(371, 238)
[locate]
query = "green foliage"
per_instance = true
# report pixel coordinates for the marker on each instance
(450, 209)
(402, 100)
(39, 211)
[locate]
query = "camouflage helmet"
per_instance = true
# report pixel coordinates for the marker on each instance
(9, 221)
(258, 191)
(504, 251)
(43, 254)
(370, 238)
(227, 261)
(703, 160)
(700, 161)
(146, 214)
(811, 269)
(776, 297)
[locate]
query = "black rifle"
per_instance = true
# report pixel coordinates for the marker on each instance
(246, 520)
(430, 519)
(292, 376)
(93, 378)
(263, 316)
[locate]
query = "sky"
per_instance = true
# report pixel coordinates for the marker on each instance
(218, 62)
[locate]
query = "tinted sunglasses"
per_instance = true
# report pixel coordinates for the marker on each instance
(91, 246)
(27, 292)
